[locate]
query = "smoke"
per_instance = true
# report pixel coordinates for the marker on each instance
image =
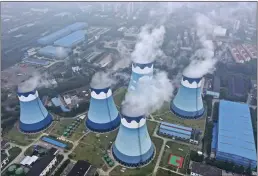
(61, 52)
(149, 96)
(203, 61)
(147, 49)
(36, 81)
(102, 80)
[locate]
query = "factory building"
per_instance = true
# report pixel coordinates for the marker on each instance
(188, 102)
(49, 39)
(233, 138)
(173, 130)
(54, 52)
(140, 71)
(103, 115)
(33, 115)
(71, 40)
(133, 146)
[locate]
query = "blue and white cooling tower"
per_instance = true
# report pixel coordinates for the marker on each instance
(103, 115)
(188, 101)
(33, 115)
(133, 146)
(140, 71)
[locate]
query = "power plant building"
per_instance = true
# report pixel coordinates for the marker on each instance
(140, 71)
(133, 146)
(71, 40)
(188, 102)
(175, 130)
(49, 39)
(234, 141)
(33, 115)
(54, 52)
(103, 115)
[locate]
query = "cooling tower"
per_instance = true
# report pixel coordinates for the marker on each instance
(188, 101)
(33, 115)
(133, 146)
(138, 72)
(103, 115)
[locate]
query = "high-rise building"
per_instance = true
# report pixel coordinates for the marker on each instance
(188, 100)
(33, 115)
(103, 115)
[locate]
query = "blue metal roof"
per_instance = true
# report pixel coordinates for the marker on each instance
(36, 61)
(173, 133)
(176, 128)
(235, 132)
(53, 142)
(71, 40)
(76, 26)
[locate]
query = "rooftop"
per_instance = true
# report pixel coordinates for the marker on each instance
(205, 170)
(234, 116)
(40, 165)
(80, 168)
(216, 84)
(69, 40)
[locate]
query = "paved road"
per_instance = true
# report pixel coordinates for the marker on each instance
(172, 171)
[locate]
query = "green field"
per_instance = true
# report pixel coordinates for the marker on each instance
(144, 171)
(162, 172)
(119, 95)
(169, 117)
(60, 127)
(92, 146)
(151, 127)
(174, 149)
(17, 137)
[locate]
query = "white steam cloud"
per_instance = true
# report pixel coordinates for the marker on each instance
(203, 61)
(36, 81)
(149, 96)
(147, 49)
(102, 80)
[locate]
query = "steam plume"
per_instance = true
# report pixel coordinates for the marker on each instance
(102, 80)
(149, 96)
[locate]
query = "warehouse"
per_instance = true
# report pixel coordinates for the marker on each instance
(49, 39)
(54, 52)
(71, 40)
(37, 62)
(175, 130)
(235, 139)
(239, 86)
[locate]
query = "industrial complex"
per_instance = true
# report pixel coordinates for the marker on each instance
(229, 142)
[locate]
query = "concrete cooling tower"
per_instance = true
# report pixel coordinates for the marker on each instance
(133, 146)
(33, 115)
(140, 71)
(103, 115)
(188, 101)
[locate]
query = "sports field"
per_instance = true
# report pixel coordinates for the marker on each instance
(176, 161)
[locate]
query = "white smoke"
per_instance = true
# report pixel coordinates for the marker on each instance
(149, 96)
(203, 61)
(102, 80)
(147, 49)
(61, 52)
(36, 81)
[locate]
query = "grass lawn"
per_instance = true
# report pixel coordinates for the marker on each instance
(60, 127)
(144, 171)
(17, 137)
(174, 149)
(119, 96)
(91, 147)
(169, 117)
(14, 152)
(78, 132)
(162, 172)
(151, 127)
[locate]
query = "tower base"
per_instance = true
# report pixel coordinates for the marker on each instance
(36, 127)
(186, 114)
(103, 127)
(133, 161)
